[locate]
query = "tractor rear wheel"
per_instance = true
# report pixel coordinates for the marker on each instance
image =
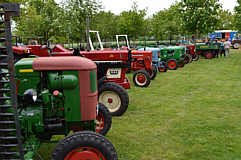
(84, 145)
(186, 59)
(114, 97)
(195, 57)
(236, 45)
(154, 72)
(172, 64)
(181, 64)
(208, 55)
(141, 78)
(104, 120)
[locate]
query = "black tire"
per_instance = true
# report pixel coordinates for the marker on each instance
(209, 55)
(163, 67)
(116, 92)
(181, 64)
(190, 58)
(172, 67)
(186, 59)
(236, 45)
(143, 81)
(154, 72)
(85, 140)
(195, 57)
(104, 120)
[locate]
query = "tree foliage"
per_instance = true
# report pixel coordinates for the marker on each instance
(237, 17)
(199, 17)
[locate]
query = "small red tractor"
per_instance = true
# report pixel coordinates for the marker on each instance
(141, 63)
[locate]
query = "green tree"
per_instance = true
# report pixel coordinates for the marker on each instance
(237, 18)
(199, 16)
(226, 20)
(166, 22)
(132, 22)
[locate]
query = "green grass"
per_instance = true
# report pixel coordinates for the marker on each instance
(193, 113)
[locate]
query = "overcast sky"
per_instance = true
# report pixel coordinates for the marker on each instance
(117, 6)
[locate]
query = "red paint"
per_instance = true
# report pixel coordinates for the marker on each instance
(101, 122)
(56, 93)
(110, 100)
(85, 153)
(172, 64)
(141, 78)
(17, 86)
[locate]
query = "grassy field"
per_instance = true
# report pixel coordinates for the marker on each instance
(193, 113)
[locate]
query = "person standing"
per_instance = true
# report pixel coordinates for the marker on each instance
(227, 46)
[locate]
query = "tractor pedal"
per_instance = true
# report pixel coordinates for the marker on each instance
(2, 39)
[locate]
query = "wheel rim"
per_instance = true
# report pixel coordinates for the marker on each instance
(85, 153)
(209, 55)
(161, 69)
(100, 122)
(172, 64)
(195, 57)
(180, 64)
(141, 79)
(186, 59)
(111, 100)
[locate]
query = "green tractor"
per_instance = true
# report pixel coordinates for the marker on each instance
(174, 56)
(209, 50)
(41, 97)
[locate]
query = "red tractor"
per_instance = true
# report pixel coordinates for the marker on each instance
(141, 63)
(111, 68)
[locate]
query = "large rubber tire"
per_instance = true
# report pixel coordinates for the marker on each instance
(114, 97)
(208, 55)
(181, 64)
(104, 120)
(236, 45)
(190, 58)
(195, 57)
(84, 145)
(186, 59)
(141, 78)
(154, 72)
(172, 64)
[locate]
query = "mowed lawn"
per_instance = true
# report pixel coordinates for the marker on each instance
(193, 113)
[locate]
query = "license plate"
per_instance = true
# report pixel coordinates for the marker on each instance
(113, 73)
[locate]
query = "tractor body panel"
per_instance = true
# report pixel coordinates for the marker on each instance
(173, 52)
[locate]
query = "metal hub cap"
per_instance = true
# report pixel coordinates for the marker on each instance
(140, 79)
(85, 153)
(111, 100)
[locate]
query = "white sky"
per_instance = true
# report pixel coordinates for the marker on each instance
(117, 6)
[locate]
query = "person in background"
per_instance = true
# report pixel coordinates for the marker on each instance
(227, 46)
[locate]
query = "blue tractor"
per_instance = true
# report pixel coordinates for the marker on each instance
(156, 60)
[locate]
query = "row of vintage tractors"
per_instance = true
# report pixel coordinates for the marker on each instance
(41, 97)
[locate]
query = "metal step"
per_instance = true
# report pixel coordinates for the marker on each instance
(5, 106)
(8, 145)
(7, 130)
(7, 122)
(4, 81)
(2, 39)
(8, 138)
(2, 30)
(2, 90)
(6, 114)
(5, 98)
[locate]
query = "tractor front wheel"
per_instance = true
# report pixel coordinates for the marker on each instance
(208, 55)
(104, 120)
(172, 64)
(114, 97)
(141, 78)
(195, 57)
(153, 72)
(84, 145)
(236, 45)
